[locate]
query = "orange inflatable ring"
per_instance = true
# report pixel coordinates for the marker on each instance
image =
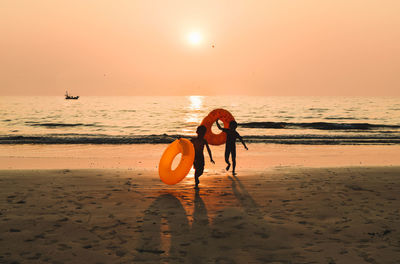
(169, 176)
(208, 121)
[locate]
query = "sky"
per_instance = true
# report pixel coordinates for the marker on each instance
(208, 47)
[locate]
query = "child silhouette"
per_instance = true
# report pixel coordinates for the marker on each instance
(230, 146)
(198, 144)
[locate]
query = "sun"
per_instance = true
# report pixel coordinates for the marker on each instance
(195, 38)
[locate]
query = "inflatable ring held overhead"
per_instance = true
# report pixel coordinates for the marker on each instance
(169, 176)
(208, 121)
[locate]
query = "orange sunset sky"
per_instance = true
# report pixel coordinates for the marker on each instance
(208, 47)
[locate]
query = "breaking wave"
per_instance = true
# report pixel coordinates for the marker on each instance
(55, 125)
(318, 125)
(165, 139)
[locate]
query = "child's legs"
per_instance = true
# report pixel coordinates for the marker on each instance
(199, 168)
(197, 173)
(233, 153)
(227, 152)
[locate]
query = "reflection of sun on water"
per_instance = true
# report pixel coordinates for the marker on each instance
(193, 117)
(196, 102)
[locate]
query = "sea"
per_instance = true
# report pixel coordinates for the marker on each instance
(162, 119)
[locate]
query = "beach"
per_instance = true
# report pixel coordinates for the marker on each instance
(288, 204)
(294, 104)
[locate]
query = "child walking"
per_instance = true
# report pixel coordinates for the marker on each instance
(230, 146)
(198, 144)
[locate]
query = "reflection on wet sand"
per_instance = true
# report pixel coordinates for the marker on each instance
(236, 234)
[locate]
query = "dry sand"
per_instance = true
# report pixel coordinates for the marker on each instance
(282, 215)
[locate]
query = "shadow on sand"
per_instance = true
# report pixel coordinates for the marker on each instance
(237, 234)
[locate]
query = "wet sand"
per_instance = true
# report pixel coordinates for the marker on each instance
(283, 214)
(260, 157)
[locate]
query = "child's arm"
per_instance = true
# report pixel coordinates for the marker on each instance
(209, 153)
(241, 140)
(219, 126)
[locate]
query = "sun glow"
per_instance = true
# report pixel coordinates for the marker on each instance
(195, 38)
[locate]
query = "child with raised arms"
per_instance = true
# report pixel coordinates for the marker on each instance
(230, 146)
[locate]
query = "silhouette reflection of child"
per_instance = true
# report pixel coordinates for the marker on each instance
(198, 144)
(230, 146)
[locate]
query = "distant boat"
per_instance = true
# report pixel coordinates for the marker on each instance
(67, 96)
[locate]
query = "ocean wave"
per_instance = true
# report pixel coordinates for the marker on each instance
(317, 125)
(165, 139)
(54, 125)
(340, 118)
(318, 109)
(88, 139)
